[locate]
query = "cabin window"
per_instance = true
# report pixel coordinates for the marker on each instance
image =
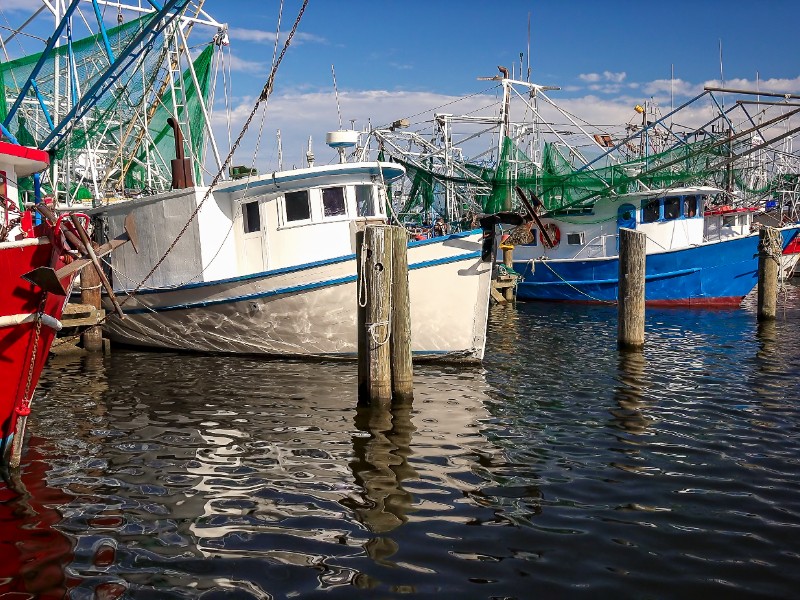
(297, 206)
(333, 202)
(651, 210)
(729, 221)
(251, 219)
(365, 206)
(672, 208)
(689, 206)
(575, 239)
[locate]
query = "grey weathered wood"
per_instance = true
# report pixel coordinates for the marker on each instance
(92, 338)
(630, 301)
(402, 368)
(508, 261)
(375, 254)
(361, 318)
(769, 253)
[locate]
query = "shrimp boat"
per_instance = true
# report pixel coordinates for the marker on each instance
(268, 266)
(29, 314)
(65, 108)
(696, 255)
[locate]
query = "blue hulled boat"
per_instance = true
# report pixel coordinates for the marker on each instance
(696, 254)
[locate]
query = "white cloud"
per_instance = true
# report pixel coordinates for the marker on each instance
(604, 76)
(260, 36)
(615, 77)
(242, 65)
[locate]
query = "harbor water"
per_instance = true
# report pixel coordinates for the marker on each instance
(561, 467)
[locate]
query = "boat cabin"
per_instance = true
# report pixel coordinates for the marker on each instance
(15, 162)
(672, 219)
(251, 225)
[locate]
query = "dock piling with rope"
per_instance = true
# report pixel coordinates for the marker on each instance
(384, 323)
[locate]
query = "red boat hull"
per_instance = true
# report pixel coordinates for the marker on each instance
(23, 352)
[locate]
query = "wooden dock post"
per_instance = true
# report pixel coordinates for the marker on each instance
(770, 246)
(402, 368)
(630, 301)
(92, 338)
(373, 285)
(508, 261)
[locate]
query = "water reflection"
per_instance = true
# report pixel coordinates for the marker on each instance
(565, 465)
(629, 393)
(381, 447)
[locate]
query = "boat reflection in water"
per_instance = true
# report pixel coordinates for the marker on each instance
(195, 473)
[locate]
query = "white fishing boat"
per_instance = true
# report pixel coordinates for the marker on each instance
(268, 266)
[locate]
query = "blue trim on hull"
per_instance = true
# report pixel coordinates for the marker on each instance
(702, 274)
(295, 268)
(285, 290)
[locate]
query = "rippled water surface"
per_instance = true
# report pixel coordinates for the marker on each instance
(561, 468)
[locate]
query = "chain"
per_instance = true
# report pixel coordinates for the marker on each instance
(25, 406)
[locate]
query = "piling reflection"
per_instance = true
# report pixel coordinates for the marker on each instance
(629, 392)
(381, 446)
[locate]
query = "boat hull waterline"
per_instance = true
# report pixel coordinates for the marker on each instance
(716, 274)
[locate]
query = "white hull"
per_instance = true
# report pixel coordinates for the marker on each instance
(309, 311)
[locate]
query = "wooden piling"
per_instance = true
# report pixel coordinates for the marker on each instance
(92, 338)
(373, 284)
(770, 247)
(508, 261)
(402, 368)
(630, 302)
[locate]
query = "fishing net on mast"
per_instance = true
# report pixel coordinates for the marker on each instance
(123, 144)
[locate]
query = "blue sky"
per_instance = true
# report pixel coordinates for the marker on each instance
(396, 59)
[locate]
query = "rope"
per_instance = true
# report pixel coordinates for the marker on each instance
(362, 278)
(371, 327)
(544, 262)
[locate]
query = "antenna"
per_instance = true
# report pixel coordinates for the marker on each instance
(671, 93)
(280, 152)
(336, 93)
(310, 153)
(721, 73)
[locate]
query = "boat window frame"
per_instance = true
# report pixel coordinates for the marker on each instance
(285, 212)
(685, 211)
(581, 238)
(246, 217)
(338, 216)
(372, 200)
(676, 204)
(643, 207)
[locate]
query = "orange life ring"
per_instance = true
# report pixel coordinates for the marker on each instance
(555, 235)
